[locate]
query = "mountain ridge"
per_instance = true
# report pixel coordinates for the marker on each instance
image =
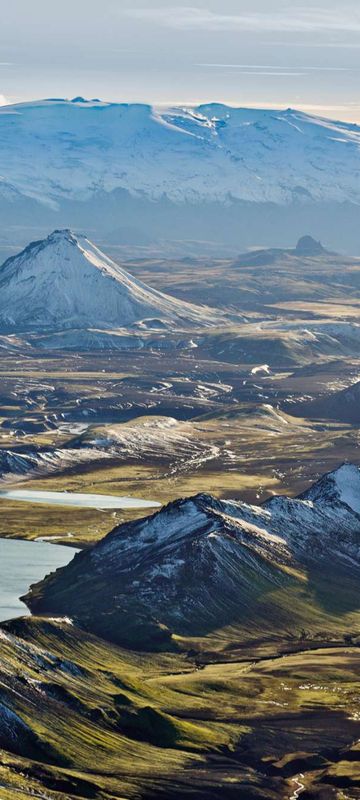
(200, 564)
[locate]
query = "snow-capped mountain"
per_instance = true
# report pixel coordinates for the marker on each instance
(212, 175)
(65, 282)
(200, 564)
(57, 149)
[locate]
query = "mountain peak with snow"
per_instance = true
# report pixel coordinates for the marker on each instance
(342, 485)
(62, 235)
(65, 282)
(201, 563)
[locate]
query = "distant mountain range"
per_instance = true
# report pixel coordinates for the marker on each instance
(150, 172)
(56, 149)
(202, 564)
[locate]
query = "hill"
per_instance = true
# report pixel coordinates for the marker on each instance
(306, 248)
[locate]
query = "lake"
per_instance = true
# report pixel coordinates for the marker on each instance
(23, 563)
(78, 499)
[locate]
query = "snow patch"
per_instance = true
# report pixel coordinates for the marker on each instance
(347, 481)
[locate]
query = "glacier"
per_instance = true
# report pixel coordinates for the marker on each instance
(55, 150)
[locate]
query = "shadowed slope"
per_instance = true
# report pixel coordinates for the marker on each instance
(200, 564)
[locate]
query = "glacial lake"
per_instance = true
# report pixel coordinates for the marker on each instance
(81, 500)
(23, 563)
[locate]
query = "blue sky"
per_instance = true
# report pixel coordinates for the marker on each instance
(245, 52)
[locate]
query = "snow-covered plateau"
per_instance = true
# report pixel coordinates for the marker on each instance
(55, 150)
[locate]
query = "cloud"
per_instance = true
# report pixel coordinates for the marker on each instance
(3, 100)
(296, 19)
(270, 73)
(258, 69)
(326, 43)
(275, 67)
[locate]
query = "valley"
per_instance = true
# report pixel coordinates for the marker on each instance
(146, 430)
(211, 648)
(243, 729)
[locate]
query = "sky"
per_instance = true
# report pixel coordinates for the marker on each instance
(262, 53)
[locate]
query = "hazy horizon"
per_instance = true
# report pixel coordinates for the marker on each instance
(235, 52)
(310, 110)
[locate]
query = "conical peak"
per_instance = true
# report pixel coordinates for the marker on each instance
(65, 282)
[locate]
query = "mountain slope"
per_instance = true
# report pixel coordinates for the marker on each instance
(65, 282)
(343, 405)
(202, 564)
(56, 149)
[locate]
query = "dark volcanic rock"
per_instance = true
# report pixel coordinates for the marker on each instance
(307, 246)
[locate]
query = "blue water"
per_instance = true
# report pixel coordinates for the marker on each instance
(23, 563)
